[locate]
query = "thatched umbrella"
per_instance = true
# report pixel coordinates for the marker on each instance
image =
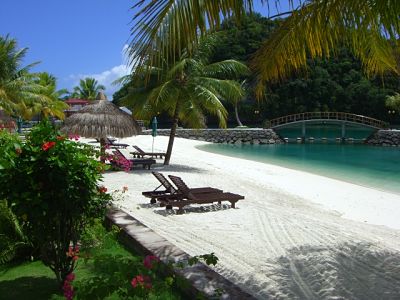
(100, 119)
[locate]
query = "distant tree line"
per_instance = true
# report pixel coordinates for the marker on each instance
(333, 84)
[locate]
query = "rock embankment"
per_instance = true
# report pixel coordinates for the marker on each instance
(385, 138)
(229, 136)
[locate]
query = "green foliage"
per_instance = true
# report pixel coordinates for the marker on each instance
(10, 145)
(393, 102)
(329, 84)
(22, 93)
(88, 89)
(240, 41)
(335, 84)
(52, 189)
(12, 239)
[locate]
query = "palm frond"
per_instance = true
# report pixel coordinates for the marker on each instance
(173, 26)
(368, 28)
(226, 69)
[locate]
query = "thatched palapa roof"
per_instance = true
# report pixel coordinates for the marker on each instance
(100, 119)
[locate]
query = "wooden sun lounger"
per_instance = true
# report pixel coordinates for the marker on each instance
(192, 198)
(111, 143)
(140, 153)
(164, 196)
(145, 162)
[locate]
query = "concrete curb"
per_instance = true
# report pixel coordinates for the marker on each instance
(201, 278)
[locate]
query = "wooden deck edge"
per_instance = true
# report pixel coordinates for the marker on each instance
(201, 279)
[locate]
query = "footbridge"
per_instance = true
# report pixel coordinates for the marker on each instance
(344, 120)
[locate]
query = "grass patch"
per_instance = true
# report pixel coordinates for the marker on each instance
(105, 269)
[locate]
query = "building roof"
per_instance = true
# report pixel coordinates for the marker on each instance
(76, 101)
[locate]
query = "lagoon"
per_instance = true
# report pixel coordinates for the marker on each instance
(375, 167)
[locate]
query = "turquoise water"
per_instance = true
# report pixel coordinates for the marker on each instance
(376, 167)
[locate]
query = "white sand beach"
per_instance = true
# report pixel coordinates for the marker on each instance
(295, 235)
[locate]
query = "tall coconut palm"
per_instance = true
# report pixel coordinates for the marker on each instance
(370, 28)
(88, 89)
(17, 85)
(187, 90)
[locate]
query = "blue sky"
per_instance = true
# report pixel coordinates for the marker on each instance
(74, 39)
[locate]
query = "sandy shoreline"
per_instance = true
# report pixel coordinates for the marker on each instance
(296, 235)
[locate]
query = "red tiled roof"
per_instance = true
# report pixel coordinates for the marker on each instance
(76, 101)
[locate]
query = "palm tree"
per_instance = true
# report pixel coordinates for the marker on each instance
(88, 89)
(53, 107)
(17, 85)
(186, 90)
(370, 28)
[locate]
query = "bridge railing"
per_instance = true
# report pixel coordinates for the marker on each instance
(328, 116)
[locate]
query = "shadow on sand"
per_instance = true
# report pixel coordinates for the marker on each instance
(347, 271)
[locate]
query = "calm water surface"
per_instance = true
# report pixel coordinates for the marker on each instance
(376, 167)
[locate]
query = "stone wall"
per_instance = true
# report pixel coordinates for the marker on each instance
(230, 136)
(385, 138)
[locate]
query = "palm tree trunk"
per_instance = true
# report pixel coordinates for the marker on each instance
(172, 135)
(237, 115)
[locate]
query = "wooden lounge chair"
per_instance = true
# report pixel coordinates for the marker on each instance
(112, 144)
(170, 190)
(145, 162)
(140, 153)
(186, 197)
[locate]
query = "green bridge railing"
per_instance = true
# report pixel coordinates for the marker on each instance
(338, 116)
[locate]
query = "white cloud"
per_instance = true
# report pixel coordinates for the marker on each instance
(105, 78)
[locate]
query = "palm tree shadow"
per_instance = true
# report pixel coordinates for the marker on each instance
(346, 271)
(25, 287)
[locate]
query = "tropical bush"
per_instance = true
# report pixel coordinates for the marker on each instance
(12, 238)
(51, 185)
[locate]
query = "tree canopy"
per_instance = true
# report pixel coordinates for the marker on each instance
(369, 28)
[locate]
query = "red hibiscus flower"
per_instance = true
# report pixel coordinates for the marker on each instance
(46, 146)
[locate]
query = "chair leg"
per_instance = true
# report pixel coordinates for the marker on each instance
(180, 210)
(152, 200)
(219, 202)
(233, 204)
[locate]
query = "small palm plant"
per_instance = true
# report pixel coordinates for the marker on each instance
(12, 238)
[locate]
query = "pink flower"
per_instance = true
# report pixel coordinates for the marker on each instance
(122, 162)
(70, 277)
(46, 146)
(149, 261)
(137, 280)
(74, 137)
(67, 287)
(73, 252)
(141, 281)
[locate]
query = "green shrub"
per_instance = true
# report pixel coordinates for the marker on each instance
(51, 186)
(12, 239)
